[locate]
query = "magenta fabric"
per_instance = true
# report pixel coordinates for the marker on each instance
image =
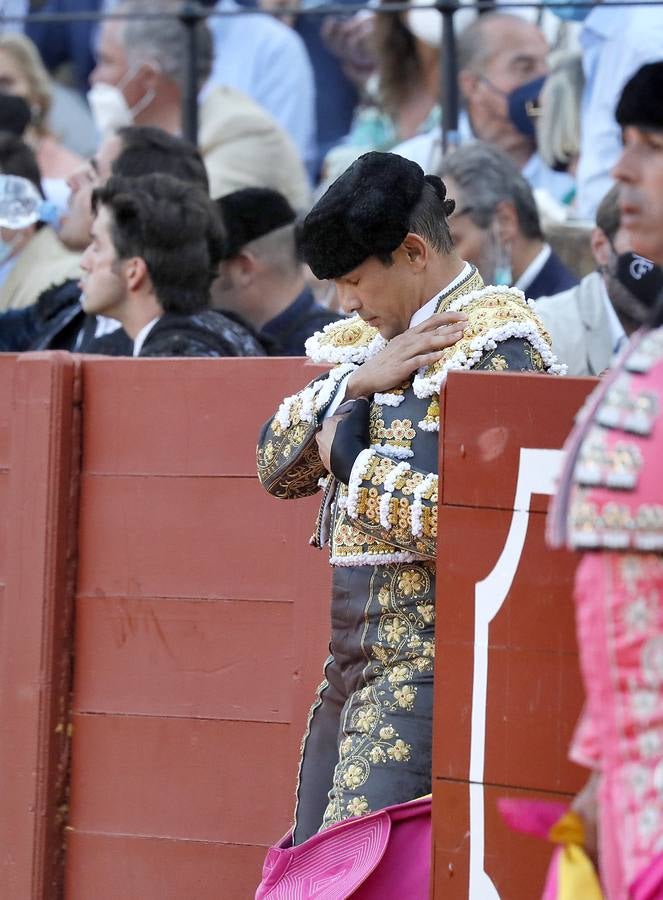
(383, 854)
(649, 884)
(533, 817)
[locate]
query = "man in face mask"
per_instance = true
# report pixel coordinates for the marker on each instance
(140, 78)
(591, 322)
(496, 223)
(498, 54)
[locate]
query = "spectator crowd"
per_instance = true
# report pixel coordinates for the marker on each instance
(287, 100)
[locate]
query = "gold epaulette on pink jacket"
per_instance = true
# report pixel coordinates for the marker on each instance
(388, 511)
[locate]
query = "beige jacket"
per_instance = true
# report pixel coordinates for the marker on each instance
(43, 262)
(579, 326)
(244, 147)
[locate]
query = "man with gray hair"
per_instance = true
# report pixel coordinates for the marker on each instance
(496, 223)
(140, 77)
(498, 54)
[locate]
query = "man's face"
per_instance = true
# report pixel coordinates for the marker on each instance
(640, 175)
(112, 65)
(516, 53)
(103, 283)
(474, 244)
(627, 306)
(382, 295)
(77, 221)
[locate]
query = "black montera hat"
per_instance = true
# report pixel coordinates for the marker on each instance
(250, 213)
(366, 212)
(641, 102)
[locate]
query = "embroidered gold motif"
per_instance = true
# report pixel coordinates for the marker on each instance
(498, 363)
(400, 652)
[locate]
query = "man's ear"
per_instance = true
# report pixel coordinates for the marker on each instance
(244, 268)
(601, 247)
(468, 81)
(506, 218)
(415, 250)
(148, 75)
(136, 273)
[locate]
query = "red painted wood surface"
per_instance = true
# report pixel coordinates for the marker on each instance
(202, 622)
(38, 477)
(534, 693)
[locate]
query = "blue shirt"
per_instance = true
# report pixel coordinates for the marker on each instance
(616, 42)
(265, 59)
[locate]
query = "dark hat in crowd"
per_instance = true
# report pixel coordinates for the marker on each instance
(641, 102)
(366, 212)
(251, 213)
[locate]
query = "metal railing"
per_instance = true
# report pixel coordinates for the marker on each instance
(191, 13)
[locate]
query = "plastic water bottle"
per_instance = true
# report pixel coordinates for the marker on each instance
(21, 204)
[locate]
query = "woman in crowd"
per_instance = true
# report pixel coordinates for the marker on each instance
(23, 74)
(403, 95)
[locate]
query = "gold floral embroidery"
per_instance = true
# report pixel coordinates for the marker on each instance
(499, 363)
(535, 358)
(402, 651)
(358, 806)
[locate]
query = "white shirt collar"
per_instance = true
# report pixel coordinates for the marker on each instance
(105, 326)
(534, 268)
(617, 333)
(428, 309)
(142, 335)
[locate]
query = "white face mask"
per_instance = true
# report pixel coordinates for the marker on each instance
(424, 24)
(109, 108)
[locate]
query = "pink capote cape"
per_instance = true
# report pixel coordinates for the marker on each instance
(383, 854)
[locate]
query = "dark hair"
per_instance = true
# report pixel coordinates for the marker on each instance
(399, 67)
(146, 150)
(173, 227)
(17, 158)
(608, 217)
(486, 176)
(429, 219)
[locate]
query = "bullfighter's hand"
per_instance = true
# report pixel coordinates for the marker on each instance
(419, 346)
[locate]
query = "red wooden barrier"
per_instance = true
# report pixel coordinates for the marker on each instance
(202, 619)
(38, 482)
(507, 687)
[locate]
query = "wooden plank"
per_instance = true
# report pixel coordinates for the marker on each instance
(107, 867)
(5, 523)
(515, 864)
(35, 641)
(185, 417)
(488, 417)
(533, 696)
(197, 537)
(207, 659)
(194, 779)
(7, 368)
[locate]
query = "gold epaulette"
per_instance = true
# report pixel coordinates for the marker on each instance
(346, 341)
(495, 314)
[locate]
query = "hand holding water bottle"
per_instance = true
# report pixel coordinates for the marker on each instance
(21, 204)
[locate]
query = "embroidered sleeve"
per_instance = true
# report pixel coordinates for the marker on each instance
(512, 355)
(287, 456)
(394, 502)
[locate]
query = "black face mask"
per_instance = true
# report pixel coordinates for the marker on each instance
(640, 276)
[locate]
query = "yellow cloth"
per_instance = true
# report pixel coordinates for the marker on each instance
(576, 878)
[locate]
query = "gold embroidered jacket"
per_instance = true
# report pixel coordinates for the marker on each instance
(388, 511)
